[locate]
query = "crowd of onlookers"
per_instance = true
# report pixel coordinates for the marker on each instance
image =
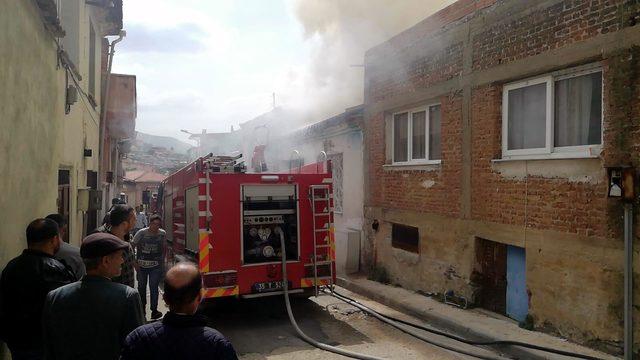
(58, 301)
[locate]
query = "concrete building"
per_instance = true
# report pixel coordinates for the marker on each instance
(50, 55)
(85, 27)
(340, 137)
(54, 125)
(489, 127)
(257, 139)
(138, 182)
(119, 134)
(222, 143)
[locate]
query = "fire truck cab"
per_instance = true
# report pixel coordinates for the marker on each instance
(231, 224)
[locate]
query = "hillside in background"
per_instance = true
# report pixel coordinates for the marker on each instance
(166, 142)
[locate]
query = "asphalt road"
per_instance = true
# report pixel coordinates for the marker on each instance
(260, 329)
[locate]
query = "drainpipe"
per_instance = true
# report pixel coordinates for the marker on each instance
(628, 281)
(105, 98)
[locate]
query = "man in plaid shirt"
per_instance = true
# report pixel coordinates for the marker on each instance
(122, 218)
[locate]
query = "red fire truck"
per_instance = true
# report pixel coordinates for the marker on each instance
(231, 223)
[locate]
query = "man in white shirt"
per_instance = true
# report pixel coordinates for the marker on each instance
(141, 220)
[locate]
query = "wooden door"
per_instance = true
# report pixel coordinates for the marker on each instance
(492, 259)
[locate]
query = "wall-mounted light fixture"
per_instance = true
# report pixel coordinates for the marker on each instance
(621, 180)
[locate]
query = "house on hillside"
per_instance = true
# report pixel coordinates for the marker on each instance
(489, 130)
(140, 187)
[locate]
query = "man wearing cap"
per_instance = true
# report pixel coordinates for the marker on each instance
(90, 319)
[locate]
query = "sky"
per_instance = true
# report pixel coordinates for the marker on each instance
(212, 64)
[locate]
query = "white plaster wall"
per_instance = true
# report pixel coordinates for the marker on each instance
(80, 128)
(31, 115)
(350, 220)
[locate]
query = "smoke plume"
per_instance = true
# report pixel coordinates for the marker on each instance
(341, 31)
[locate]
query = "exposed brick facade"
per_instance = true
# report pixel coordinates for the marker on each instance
(461, 58)
(547, 28)
(421, 72)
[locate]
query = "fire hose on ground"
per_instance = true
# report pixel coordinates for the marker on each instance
(351, 354)
(398, 324)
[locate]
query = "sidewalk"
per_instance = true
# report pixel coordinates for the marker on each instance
(471, 324)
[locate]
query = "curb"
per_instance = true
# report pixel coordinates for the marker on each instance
(439, 321)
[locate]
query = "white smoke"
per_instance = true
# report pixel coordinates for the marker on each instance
(340, 32)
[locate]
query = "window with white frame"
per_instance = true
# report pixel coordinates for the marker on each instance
(557, 115)
(416, 135)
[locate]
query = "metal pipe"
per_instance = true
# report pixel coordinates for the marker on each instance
(105, 98)
(628, 281)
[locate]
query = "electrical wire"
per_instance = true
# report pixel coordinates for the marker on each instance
(463, 340)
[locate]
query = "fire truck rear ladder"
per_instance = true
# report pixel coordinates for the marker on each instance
(321, 198)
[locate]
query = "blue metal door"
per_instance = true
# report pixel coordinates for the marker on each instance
(517, 298)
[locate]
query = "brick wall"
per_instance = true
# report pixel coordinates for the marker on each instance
(571, 230)
(389, 79)
(540, 203)
(436, 191)
(548, 28)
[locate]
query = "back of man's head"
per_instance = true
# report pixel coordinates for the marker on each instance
(182, 286)
(40, 231)
(59, 219)
(119, 214)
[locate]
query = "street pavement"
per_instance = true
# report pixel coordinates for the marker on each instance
(260, 329)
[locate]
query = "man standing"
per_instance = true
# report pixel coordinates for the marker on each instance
(90, 319)
(150, 249)
(181, 334)
(24, 285)
(68, 254)
(122, 218)
(141, 220)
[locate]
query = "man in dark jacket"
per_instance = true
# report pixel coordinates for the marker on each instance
(122, 218)
(68, 254)
(24, 285)
(90, 319)
(180, 334)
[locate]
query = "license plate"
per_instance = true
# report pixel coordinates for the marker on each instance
(269, 286)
